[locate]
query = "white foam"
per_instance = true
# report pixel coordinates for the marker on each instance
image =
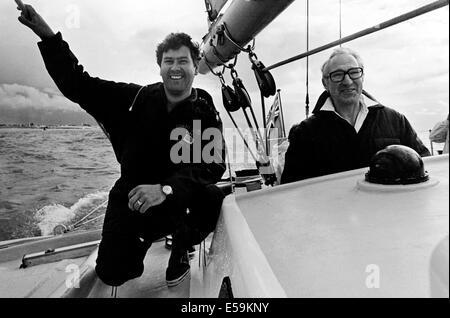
(89, 200)
(51, 215)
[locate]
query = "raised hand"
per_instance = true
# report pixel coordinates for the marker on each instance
(33, 20)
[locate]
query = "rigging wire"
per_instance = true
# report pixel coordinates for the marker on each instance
(90, 213)
(222, 80)
(386, 24)
(307, 60)
(340, 21)
(263, 109)
(227, 153)
(90, 221)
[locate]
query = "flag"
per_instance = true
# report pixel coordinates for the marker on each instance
(275, 121)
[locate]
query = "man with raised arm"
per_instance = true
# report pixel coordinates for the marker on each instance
(159, 191)
(348, 126)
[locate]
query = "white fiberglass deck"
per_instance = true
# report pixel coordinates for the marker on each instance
(152, 283)
(326, 237)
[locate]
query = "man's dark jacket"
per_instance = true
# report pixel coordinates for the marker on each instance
(325, 143)
(138, 124)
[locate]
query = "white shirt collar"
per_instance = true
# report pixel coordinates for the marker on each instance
(363, 110)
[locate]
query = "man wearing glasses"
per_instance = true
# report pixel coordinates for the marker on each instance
(348, 126)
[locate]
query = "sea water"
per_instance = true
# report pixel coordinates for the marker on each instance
(58, 176)
(50, 177)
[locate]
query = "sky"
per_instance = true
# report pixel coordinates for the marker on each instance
(406, 66)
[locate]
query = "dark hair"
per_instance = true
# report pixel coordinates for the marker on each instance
(176, 40)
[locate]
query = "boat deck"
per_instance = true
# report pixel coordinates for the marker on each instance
(152, 283)
(328, 237)
(53, 279)
(33, 282)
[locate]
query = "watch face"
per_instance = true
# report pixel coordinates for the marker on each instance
(167, 190)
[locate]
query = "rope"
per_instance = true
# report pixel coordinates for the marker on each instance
(242, 136)
(91, 220)
(89, 214)
(263, 106)
(258, 139)
(229, 166)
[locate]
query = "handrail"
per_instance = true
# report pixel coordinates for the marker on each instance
(412, 14)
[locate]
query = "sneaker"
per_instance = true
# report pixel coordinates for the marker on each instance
(178, 269)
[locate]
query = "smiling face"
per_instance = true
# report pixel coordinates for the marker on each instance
(178, 71)
(348, 91)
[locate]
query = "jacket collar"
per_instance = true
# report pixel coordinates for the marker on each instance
(193, 98)
(324, 102)
(366, 101)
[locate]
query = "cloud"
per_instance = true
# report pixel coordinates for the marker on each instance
(17, 96)
(407, 65)
(21, 104)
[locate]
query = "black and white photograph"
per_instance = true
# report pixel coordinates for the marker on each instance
(227, 155)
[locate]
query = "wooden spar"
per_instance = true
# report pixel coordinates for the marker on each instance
(412, 14)
(244, 20)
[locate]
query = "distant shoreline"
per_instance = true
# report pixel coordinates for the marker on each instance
(44, 127)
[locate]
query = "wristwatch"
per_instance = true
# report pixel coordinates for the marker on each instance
(167, 190)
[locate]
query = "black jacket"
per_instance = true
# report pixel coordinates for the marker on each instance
(325, 143)
(138, 124)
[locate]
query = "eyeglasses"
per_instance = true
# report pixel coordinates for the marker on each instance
(339, 75)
